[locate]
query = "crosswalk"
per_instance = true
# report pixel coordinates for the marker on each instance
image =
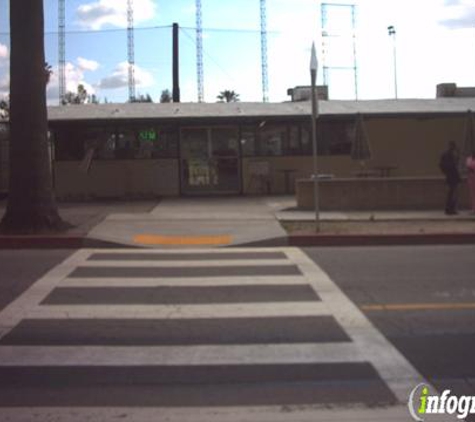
(236, 334)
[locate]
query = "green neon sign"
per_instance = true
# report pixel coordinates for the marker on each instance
(149, 135)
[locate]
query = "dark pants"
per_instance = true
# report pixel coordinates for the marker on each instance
(452, 196)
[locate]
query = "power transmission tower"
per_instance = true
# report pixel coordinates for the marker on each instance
(130, 49)
(265, 77)
(199, 51)
(61, 50)
(339, 42)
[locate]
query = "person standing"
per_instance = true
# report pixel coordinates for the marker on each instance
(449, 166)
(470, 164)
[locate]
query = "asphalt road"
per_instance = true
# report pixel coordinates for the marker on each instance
(422, 299)
(430, 291)
(21, 268)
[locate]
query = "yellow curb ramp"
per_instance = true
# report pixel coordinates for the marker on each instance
(150, 239)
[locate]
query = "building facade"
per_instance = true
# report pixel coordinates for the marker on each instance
(151, 150)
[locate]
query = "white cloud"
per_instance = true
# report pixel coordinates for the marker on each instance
(189, 9)
(458, 14)
(4, 71)
(74, 77)
(3, 52)
(4, 82)
(119, 77)
(4, 86)
(94, 15)
(85, 64)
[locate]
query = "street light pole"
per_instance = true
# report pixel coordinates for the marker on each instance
(313, 76)
(392, 33)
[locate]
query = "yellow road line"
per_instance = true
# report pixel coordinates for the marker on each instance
(150, 239)
(418, 307)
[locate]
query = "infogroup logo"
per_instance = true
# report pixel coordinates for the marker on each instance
(421, 403)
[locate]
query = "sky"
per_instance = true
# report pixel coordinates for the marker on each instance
(434, 43)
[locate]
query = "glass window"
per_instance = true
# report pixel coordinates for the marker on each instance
(272, 139)
(248, 141)
(224, 142)
(126, 144)
(122, 143)
(157, 142)
(335, 137)
(102, 141)
(165, 143)
(306, 139)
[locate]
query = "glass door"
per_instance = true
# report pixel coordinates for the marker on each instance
(209, 160)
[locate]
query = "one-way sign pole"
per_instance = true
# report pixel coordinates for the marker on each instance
(313, 75)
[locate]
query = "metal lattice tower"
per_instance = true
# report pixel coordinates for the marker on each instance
(130, 49)
(265, 76)
(199, 52)
(61, 50)
(346, 37)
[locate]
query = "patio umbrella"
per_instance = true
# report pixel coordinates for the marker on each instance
(360, 148)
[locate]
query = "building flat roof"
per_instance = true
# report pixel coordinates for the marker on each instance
(171, 111)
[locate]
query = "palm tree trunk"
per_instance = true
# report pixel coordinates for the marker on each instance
(31, 204)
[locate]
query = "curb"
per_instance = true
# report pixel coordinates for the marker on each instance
(55, 242)
(312, 239)
(296, 239)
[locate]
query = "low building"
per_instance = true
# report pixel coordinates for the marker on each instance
(149, 150)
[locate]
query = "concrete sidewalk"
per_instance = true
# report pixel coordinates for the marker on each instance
(191, 222)
(218, 222)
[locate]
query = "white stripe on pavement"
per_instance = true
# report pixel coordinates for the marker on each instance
(368, 343)
(181, 281)
(20, 307)
(294, 353)
(189, 263)
(299, 413)
(391, 365)
(232, 310)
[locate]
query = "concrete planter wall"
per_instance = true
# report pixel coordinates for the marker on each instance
(378, 194)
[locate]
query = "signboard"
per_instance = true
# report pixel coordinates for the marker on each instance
(148, 135)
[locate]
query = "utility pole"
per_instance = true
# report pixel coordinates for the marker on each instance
(61, 50)
(130, 49)
(176, 64)
(392, 33)
(265, 76)
(199, 52)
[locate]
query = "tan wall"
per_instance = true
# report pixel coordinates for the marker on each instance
(413, 144)
(121, 178)
(378, 194)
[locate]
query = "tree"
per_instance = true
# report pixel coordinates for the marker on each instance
(79, 97)
(48, 73)
(142, 99)
(4, 109)
(228, 96)
(31, 205)
(166, 96)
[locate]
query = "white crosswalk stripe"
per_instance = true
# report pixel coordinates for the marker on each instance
(364, 344)
(178, 311)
